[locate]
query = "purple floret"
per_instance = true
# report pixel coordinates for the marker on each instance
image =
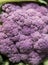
(24, 57)
(42, 45)
(25, 46)
(10, 7)
(34, 58)
(24, 32)
(14, 58)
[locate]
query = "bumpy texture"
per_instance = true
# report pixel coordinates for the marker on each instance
(24, 32)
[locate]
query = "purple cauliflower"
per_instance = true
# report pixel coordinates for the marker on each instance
(24, 32)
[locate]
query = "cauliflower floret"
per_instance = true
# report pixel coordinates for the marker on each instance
(34, 58)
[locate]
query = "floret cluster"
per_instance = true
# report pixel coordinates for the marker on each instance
(24, 32)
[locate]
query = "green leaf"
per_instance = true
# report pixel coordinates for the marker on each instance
(21, 63)
(1, 59)
(6, 63)
(42, 1)
(46, 62)
(5, 1)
